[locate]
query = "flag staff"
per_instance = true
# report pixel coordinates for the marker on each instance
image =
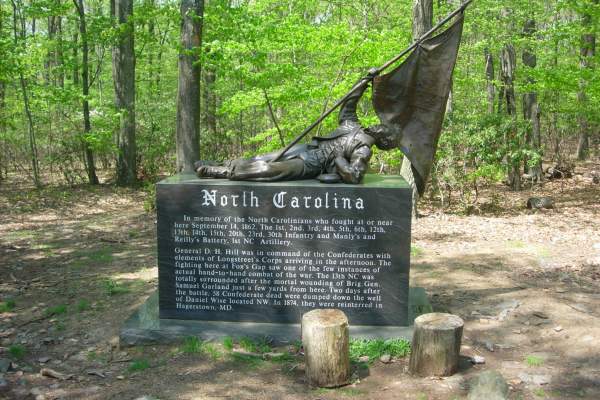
(371, 74)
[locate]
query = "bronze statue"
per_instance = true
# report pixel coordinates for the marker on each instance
(342, 156)
(410, 101)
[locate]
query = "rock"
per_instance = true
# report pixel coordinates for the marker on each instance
(43, 360)
(146, 397)
(385, 358)
(3, 384)
(506, 308)
(489, 346)
(540, 202)
(5, 365)
(535, 379)
(478, 360)
(558, 328)
(114, 343)
(488, 385)
(363, 359)
(120, 377)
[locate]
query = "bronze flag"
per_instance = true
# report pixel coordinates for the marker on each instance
(413, 97)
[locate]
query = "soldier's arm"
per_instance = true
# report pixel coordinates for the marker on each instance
(348, 110)
(353, 171)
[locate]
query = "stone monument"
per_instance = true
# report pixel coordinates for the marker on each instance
(248, 253)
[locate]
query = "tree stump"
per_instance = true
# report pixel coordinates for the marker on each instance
(326, 347)
(436, 344)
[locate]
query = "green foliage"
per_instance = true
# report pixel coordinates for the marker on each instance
(138, 365)
(534, 361)
(296, 58)
(83, 305)
(246, 360)
(375, 348)
(7, 305)
(255, 346)
(228, 343)
(113, 287)
(57, 310)
(415, 251)
(150, 197)
(17, 351)
(192, 344)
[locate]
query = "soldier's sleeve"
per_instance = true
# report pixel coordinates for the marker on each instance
(353, 171)
(348, 110)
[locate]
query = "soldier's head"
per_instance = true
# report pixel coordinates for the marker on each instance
(386, 137)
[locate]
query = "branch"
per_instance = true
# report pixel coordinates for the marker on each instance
(97, 68)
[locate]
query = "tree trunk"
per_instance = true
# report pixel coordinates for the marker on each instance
(422, 22)
(3, 157)
(58, 62)
(507, 93)
(489, 79)
(326, 344)
(210, 102)
(587, 52)
(75, 59)
(30, 126)
(89, 156)
(188, 90)
(436, 345)
(123, 70)
(531, 110)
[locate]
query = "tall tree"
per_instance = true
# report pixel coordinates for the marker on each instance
(85, 90)
(531, 109)
(587, 52)
(188, 91)
(422, 13)
(489, 80)
(3, 81)
(123, 70)
(507, 103)
(19, 17)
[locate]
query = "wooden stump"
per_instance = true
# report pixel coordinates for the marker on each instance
(436, 344)
(326, 347)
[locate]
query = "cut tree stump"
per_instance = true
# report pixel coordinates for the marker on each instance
(326, 344)
(436, 345)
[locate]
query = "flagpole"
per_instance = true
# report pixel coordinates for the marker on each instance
(365, 81)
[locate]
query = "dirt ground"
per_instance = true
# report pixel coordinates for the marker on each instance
(76, 261)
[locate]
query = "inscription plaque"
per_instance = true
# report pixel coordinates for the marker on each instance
(269, 252)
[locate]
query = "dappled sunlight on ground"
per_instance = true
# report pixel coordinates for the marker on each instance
(78, 261)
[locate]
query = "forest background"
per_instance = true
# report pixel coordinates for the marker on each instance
(90, 87)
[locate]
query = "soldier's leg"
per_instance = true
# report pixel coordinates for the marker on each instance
(268, 171)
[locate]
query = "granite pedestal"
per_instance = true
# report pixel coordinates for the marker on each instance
(249, 258)
(144, 327)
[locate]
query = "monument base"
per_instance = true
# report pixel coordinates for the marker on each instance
(144, 327)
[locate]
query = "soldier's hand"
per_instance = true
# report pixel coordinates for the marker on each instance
(371, 73)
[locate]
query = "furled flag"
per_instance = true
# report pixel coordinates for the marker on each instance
(413, 98)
